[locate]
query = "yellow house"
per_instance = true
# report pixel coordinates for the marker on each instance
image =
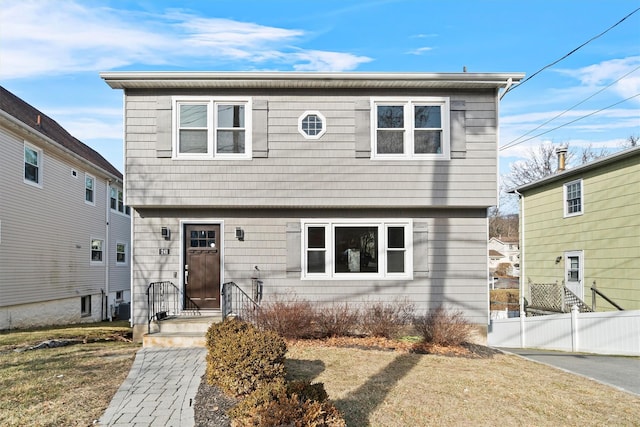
(581, 227)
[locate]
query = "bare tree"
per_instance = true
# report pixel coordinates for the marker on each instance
(541, 161)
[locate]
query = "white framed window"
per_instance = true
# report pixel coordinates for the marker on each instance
(212, 128)
(346, 249)
(116, 201)
(573, 198)
(121, 253)
(89, 189)
(312, 124)
(32, 165)
(97, 247)
(416, 128)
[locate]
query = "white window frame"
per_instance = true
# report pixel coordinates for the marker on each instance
(212, 126)
(302, 130)
(120, 208)
(565, 200)
(91, 202)
(409, 127)
(85, 306)
(383, 225)
(126, 254)
(102, 250)
(40, 164)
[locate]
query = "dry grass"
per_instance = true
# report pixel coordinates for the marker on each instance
(63, 386)
(398, 388)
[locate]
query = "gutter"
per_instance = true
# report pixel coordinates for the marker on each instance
(522, 270)
(107, 250)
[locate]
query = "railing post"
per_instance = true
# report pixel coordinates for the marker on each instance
(574, 327)
(593, 296)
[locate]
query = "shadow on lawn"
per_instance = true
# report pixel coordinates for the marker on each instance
(358, 405)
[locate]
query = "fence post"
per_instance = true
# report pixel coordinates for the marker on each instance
(574, 327)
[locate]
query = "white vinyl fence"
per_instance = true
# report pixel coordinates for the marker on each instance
(601, 333)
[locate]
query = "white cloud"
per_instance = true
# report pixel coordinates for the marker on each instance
(44, 38)
(420, 50)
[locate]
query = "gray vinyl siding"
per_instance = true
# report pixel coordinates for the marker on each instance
(329, 172)
(45, 240)
(456, 257)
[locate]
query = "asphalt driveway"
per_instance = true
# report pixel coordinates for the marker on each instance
(621, 372)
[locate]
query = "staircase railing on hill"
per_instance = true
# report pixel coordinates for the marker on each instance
(550, 298)
(597, 292)
(163, 300)
(237, 303)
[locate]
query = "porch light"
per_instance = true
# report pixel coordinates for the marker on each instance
(166, 233)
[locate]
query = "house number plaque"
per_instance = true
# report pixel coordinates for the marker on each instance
(163, 251)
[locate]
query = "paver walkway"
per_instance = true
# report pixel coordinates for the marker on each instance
(160, 389)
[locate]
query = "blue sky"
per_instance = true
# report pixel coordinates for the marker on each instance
(51, 52)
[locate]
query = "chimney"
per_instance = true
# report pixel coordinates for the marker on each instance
(561, 152)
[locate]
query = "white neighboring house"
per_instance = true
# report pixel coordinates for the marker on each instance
(504, 251)
(65, 233)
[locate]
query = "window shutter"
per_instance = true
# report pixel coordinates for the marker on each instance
(260, 134)
(363, 128)
(163, 127)
(294, 243)
(458, 132)
(420, 249)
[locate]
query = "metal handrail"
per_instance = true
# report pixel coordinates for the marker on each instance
(237, 303)
(163, 300)
(595, 291)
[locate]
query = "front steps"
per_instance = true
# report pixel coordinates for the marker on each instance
(180, 331)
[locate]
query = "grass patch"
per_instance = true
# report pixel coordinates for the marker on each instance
(63, 386)
(396, 388)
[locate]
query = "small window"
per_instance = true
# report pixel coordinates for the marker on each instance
(96, 250)
(85, 306)
(32, 165)
(89, 184)
(410, 129)
(121, 253)
(119, 295)
(312, 125)
(113, 198)
(573, 199)
(117, 201)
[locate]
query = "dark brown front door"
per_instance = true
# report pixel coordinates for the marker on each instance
(202, 266)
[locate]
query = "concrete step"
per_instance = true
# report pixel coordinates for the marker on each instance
(180, 331)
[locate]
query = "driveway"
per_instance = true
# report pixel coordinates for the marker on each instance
(621, 372)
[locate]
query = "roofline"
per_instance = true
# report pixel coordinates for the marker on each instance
(26, 128)
(206, 79)
(629, 152)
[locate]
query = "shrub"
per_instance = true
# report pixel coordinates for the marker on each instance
(337, 321)
(240, 357)
(292, 318)
(305, 390)
(275, 404)
(386, 319)
(442, 327)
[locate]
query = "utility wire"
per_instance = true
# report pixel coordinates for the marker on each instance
(570, 53)
(572, 121)
(515, 141)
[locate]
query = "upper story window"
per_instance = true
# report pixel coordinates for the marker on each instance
(410, 128)
(116, 201)
(349, 249)
(312, 125)
(207, 128)
(32, 165)
(89, 189)
(573, 198)
(121, 253)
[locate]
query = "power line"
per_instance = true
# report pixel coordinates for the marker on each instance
(570, 53)
(515, 141)
(568, 123)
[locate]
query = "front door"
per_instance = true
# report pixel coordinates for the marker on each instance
(573, 272)
(202, 266)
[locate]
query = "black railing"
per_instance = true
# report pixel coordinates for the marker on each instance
(237, 303)
(163, 300)
(595, 291)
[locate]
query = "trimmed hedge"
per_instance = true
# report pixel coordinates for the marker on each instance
(241, 358)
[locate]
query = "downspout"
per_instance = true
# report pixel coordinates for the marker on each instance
(522, 272)
(106, 251)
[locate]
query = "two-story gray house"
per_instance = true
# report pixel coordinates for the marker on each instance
(65, 233)
(338, 187)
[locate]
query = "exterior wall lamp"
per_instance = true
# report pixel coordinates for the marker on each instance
(166, 233)
(239, 234)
